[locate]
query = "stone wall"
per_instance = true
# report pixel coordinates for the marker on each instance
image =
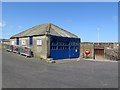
(103, 45)
(112, 54)
(87, 46)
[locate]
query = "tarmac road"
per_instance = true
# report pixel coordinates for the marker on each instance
(21, 72)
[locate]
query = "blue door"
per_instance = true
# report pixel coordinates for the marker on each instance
(30, 40)
(17, 41)
(64, 47)
(74, 48)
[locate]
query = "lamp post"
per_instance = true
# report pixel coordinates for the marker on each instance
(98, 35)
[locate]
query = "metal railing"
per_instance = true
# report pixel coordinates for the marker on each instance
(9, 48)
(22, 50)
(26, 51)
(16, 49)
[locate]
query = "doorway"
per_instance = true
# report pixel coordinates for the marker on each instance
(99, 54)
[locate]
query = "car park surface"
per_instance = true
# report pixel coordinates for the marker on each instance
(21, 72)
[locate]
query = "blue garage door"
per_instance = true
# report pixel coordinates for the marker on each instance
(74, 48)
(63, 47)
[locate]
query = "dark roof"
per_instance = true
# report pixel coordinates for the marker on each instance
(43, 29)
(5, 40)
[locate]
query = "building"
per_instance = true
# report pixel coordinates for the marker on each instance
(49, 41)
(4, 42)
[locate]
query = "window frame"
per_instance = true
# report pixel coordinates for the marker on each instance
(39, 42)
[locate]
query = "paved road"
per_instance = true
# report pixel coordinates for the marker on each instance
(21, 72)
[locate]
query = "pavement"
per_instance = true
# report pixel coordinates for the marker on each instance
(83, 59)
(21, 72)
(100, 60)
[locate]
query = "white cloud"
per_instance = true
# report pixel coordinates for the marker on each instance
(2, 24)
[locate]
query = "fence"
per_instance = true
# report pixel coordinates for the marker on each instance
(16, 49)
(9, 48)
(26, 51)
(20, 50)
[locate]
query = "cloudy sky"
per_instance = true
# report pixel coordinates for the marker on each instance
(88, 20)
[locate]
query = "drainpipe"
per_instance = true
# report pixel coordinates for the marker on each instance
(48, 40)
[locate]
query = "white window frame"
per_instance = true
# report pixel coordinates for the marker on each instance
(12, 42)
(39, 42)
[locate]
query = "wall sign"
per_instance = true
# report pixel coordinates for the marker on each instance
(23, 42)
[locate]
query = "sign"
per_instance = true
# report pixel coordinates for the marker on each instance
(23, 42)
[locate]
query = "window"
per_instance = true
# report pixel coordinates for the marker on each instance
(66, 43)
(77, 47)
(63, 42)
(76, 43)
(39, 42)
(53, 47)
(13, 43)
(66, 48)
(31, 41)
(60, 47)
(72, 43)
(53, 42)
(72, 47)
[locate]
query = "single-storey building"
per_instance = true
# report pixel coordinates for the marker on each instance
(49, 41)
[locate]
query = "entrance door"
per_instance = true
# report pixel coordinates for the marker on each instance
(99, 54)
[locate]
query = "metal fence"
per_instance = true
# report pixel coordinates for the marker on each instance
(9, 48)
(26, 51)
(22, 50)
(16, 49)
